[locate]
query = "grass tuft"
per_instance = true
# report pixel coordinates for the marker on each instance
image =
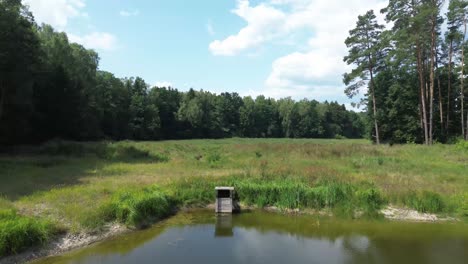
(425, 202)
(139, 207)
(18, 233)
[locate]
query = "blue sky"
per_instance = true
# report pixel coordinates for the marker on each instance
(278, 48)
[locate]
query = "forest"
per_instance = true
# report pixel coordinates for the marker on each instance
(414, 70)
(51, 88)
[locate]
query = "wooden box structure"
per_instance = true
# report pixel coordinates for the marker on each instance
(224, 199)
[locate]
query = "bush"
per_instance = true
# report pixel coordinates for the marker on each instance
(462, 145)
(18, 233)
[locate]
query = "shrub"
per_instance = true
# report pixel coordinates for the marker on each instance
(462, 145)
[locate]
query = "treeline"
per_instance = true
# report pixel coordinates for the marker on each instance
(51, 88)
(415, 71)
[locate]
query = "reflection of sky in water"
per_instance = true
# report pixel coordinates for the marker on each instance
(197, 244)
(251, 246)
(261, 239)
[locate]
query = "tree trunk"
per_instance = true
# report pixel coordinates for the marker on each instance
(376, 125)
(431, 97)
(447, 121)
(441, 105)
(2, 99)
(422, 93)
(462, 88)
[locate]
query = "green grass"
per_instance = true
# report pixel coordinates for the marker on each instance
(84, 186)
(18, 233)
(136, 208)
(283, 193)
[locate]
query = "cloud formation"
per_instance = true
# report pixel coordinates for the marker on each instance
(263, 23)
(56, 12)
(316, 67)
(96, 40)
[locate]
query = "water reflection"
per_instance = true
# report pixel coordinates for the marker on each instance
(260, 237)
(223, 226)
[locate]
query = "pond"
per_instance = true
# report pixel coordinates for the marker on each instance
(263, 237)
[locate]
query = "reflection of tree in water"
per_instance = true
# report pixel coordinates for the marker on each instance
(360, 242)
(361, 249)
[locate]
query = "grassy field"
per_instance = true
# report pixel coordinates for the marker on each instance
(82, 186)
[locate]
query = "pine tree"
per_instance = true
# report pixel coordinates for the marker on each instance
(364, 43)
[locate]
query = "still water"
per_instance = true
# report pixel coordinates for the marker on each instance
(262, 237)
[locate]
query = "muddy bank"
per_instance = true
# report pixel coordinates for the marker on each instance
(405, 214)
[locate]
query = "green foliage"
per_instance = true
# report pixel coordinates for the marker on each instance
(462, 145)
(19, 232)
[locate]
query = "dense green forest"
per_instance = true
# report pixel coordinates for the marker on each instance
(51, 88)
(414, 69)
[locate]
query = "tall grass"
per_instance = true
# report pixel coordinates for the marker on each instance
(282, 193)
(18, 233)
(425, 201)
(139, 207)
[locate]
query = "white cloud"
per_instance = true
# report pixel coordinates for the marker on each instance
(313, 70)
(96, 40)
(263, 25)
(163, 84)
(330, 22)
(56, 12)
(126, 13)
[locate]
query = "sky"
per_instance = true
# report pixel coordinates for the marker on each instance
(278, 48)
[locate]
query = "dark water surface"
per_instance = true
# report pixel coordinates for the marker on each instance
(262, 237)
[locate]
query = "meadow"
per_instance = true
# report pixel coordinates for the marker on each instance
(81, 187)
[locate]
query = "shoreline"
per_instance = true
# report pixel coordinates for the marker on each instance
(68, 242)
